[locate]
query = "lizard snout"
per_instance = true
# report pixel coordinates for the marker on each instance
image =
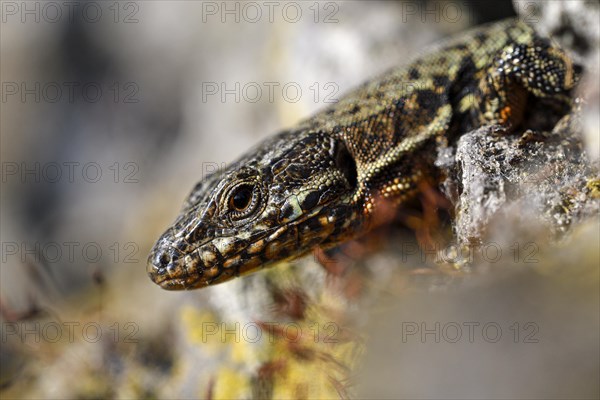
(166, 265)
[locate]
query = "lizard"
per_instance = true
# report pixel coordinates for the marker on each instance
(317, 184)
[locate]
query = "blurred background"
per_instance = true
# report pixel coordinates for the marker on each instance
(112, 111)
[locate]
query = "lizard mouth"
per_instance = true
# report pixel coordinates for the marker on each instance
(169, 269)
(176, 284)
(172, 269)
(221, 259)
(207, 264)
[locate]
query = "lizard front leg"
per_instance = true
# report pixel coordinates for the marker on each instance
(539, 69)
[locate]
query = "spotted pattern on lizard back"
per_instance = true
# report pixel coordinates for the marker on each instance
(316, 184)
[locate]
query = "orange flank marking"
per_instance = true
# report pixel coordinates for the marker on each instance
(505, 114)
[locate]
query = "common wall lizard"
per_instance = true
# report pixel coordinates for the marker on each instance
(317, 183)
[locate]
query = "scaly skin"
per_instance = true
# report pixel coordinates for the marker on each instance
(316, 184)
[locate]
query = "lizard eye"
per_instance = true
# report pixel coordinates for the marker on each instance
(240, 198)
(243, 200)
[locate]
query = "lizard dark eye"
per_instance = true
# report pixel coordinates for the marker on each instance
(241, 197)
(243, 200)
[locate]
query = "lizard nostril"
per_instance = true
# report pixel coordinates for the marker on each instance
(159, 263)
(164, 259)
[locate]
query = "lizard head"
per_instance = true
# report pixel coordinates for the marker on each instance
(290, 194)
